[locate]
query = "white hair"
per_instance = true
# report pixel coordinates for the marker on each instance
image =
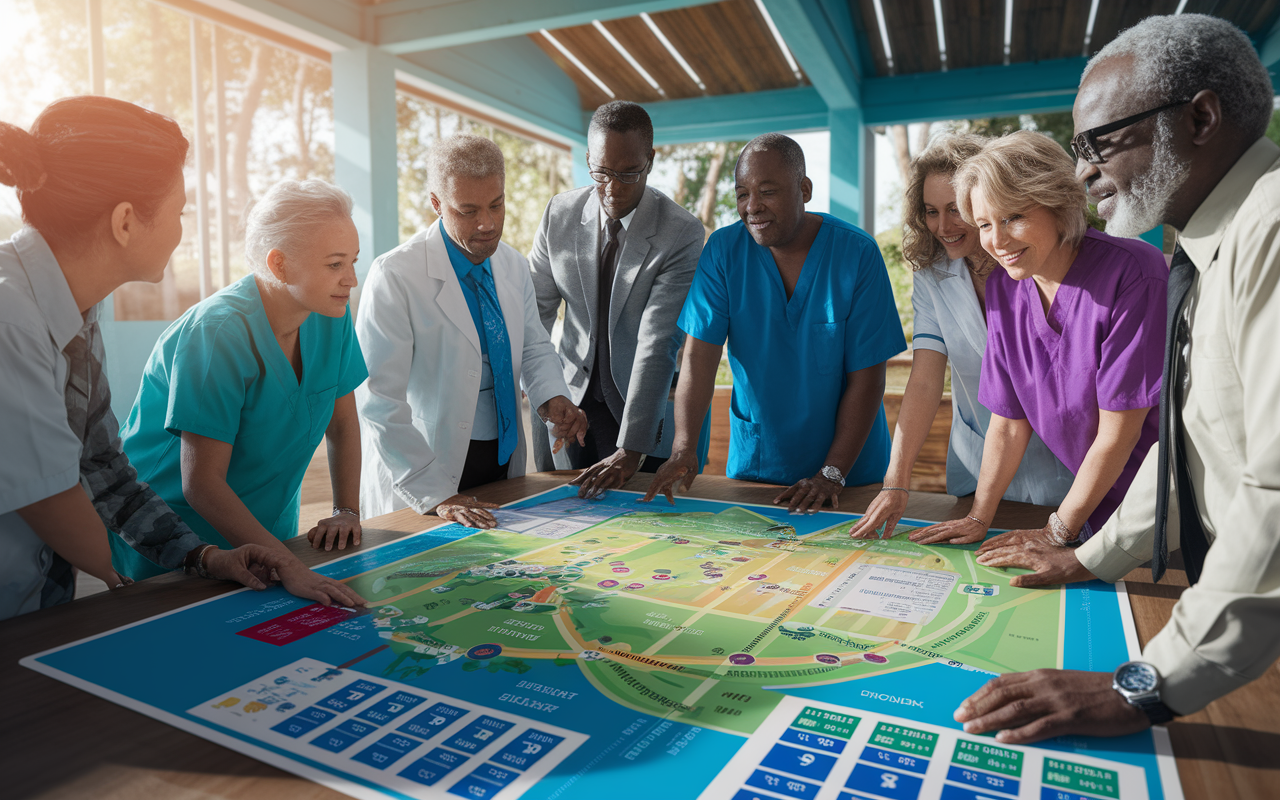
(1176, 56)
(1150, 194)
(462, 155)
(286, 215)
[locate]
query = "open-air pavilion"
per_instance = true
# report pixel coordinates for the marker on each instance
(729, 69)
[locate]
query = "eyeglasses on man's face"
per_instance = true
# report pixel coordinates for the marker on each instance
(1085, 145)
(602, 175)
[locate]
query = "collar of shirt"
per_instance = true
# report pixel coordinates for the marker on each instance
(49, 286)
(604, 223)
(461, 264)
(1204, 231)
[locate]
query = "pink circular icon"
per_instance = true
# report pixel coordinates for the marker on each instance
(682, 541)
(634, 586)
(662, 577)
(741, 559)
(826, 658)
(607, 584)
(621, 570)
(761, 576)
(742, 659)
(876, 658)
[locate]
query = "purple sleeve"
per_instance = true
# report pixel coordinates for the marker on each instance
(1131, 359)
(996, 389)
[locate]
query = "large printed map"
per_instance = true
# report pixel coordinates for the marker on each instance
(583, 641)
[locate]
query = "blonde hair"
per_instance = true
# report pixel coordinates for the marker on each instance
(943, 157)
(1021, 170)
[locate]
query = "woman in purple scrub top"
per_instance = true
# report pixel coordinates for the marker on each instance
(1075, 339)
(948, 294)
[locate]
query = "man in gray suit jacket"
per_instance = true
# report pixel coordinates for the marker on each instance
(621, 256)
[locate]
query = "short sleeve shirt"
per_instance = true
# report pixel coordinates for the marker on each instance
(38, 318)
(1101, 347)
(219, 372)
(790, 357)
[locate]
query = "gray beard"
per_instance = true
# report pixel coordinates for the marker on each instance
(1143, 207)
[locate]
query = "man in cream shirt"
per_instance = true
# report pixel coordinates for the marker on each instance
(1203, 166)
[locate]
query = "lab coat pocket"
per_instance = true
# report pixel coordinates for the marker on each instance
(320, 404)
(826, 348)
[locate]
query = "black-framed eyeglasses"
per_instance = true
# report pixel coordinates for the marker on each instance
(1085, 145)
(602, 175)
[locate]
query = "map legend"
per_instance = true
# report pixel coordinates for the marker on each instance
(815, 751)
(415, 742)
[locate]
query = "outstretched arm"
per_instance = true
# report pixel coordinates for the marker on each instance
(693, 398)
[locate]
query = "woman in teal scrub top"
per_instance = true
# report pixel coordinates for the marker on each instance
(241, 389)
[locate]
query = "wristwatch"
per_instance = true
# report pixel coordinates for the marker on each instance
(832, 474)
(1139, 684)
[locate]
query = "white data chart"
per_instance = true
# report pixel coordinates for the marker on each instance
(807, 750)
(557, 519)
(899, 593)
(422, 744)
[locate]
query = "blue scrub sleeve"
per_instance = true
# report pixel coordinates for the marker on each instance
(705, 314)
(352, 371)
(212, 364)
(926, 332)
(873, 333)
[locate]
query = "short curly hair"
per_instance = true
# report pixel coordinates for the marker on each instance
(1022, 170)
(942, 157)
(462, 155)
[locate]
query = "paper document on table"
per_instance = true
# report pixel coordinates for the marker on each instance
(900, 593)
(557, 519)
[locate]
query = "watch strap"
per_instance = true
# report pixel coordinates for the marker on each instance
(1155, 709)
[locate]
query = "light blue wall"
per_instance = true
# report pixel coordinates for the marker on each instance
(364, 113)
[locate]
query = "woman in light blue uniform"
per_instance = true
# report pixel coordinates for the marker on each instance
(949, 300)
(240, 391)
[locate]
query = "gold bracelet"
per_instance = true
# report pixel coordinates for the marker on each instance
(975, 519)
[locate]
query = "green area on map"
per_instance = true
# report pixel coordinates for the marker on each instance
(979, 755)
(1081, 778)
(828, 723)
(904, 739)
(691, 615)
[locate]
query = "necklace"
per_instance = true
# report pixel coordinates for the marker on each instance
(985, 265)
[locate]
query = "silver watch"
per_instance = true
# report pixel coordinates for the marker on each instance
(832, 474)
(1139, 684)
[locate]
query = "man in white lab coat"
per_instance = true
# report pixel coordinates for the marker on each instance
(450, 331)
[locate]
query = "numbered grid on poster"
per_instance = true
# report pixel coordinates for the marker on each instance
(815, 751)
(412, 741)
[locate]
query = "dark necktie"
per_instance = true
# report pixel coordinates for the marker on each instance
(1194, 542)
(603, 388)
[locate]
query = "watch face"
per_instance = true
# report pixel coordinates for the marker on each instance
(1136, 677)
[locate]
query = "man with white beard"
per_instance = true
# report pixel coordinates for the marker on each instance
(1169, 125)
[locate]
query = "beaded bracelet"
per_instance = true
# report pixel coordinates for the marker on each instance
(344, 510)
(975, 519)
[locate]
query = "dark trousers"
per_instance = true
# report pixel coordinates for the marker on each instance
(602, 437)
(482, 465)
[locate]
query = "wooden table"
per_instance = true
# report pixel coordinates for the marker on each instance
(60, 742)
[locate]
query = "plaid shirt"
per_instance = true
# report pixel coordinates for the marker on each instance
(127, 505)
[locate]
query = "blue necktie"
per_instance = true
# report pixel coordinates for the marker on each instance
(495, 336)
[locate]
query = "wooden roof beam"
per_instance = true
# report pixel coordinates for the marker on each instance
(409, 26)
(821, 36)
(974, 92)
(736, 116)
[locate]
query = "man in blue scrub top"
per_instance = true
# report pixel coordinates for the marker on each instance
(805, 304)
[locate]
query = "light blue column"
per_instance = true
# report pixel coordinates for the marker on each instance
(850, 167)
(578, 158)
(364, 115)
(1154, 236)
